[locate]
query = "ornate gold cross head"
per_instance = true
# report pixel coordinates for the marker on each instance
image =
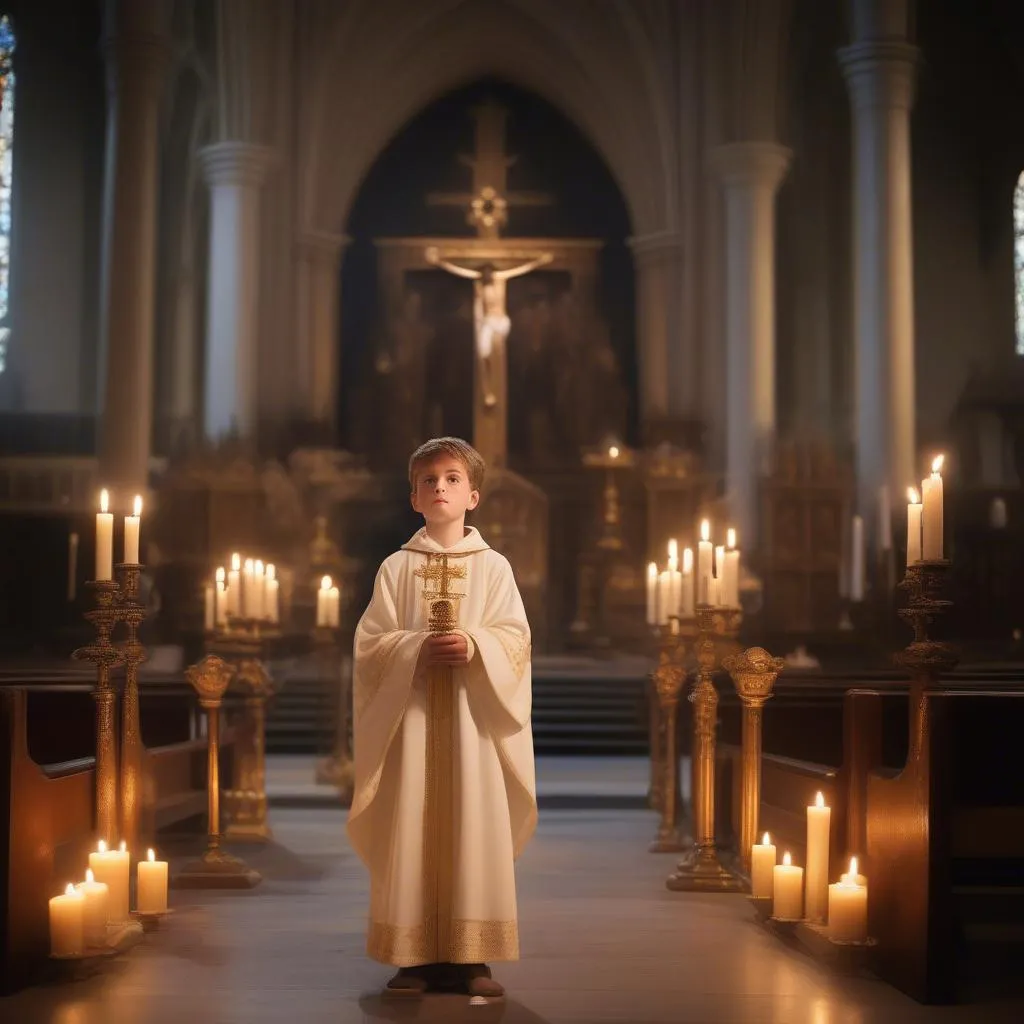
(437, 573)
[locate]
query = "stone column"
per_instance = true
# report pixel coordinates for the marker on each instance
(880, 69)
(136, 47)
(319, 341)
(751, 173)
(235, 172)
(657, 281)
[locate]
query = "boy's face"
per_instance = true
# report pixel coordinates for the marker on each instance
(443, 493)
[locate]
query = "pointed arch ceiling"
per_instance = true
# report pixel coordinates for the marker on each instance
(384, 60)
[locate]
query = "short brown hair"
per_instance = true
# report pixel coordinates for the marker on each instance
(457, 449)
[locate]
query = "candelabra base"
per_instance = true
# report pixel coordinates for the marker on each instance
(703, 872)
(667, 841)
(217, 869)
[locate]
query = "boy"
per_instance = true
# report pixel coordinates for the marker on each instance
(445, 796)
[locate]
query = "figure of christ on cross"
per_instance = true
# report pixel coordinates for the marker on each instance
(490, 317)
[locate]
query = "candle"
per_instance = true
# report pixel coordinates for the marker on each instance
(718, 591)
(335, 607)
(787, 890)
(271, 603)
(686, 585)
(675, 579)
(663, 596)
(848, 907)
(323, 596)
(209, 607)
(97, 897)
(259, 585)
(234, 588)
(67, 923)
(704, 555)
(857, 560)
(913, 526)
(72, 565)
(762, 867)
(884, 519)
(819, 821)
(731, 586)
(131, 533)
(111, 867)
(652, 595)
(247, 585)
(220, 598)
(853, 876)
(104, 539)
(151, 894)
(931, 515)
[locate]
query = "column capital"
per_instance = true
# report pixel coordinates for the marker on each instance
(655, 247)
(880, 73)
(322, 246)
(751, 164)
(236, 163)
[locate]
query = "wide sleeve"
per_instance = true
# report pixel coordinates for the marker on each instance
(384, 668)
(500, 670)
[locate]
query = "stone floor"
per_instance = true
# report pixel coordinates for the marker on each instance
(603, 941)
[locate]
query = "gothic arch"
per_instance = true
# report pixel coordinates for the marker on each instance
(381, 64)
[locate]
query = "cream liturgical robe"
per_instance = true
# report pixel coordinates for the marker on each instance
(445, 795)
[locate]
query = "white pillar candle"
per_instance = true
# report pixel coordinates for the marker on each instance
(67, 923)
(652, 595)
(704, 571)
(718, 587)
(234, 587)
(271, 596)
(762, 868)
(104, 539)
(819, 822)
(686, 586)
(857, 560)
(111, 868)
(97, 897)
(931, 515)
(209, 607)
(259, 585)
(913, 526)
(663, 597)
(247, 583)
(151, 892)
(675, 580)
(220, 598)
(335, 607)
(787, 890)
(731, 585)
(131, 532)
(72, 565)
(884, 519)
(848, 910)
(322, 600)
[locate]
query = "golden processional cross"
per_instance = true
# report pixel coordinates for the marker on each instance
(436, 574)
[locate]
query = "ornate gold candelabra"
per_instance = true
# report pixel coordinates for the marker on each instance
(753, 674)
(337, 768)
(248, 796)
(117, 601)
(668, 677)
(216, 869)
(701, 870)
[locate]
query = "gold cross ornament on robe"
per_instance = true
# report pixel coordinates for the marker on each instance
(437, 573)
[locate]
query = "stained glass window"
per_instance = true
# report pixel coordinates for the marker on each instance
(6, 169)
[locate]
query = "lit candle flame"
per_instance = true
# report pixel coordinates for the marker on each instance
(730, 538)
(325, 583)
(673, 549)
(687, 560)
(613, 452)
(102, 846)
(912, 496)
(786, 859)
(652, 571)
(151, 855)
(236, 562)
(137, 505)
(705, 530)
(104, 500)
(853, 868)
(89, 876)
(122, 847)
(220, 575)
(766, 840)
(70, 890)
(258, 567)
(819, 800)
(937, 463)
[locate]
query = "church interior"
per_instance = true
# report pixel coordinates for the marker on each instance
(728, 294)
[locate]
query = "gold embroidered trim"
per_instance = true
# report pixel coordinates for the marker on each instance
(518, 649)
(471, 942)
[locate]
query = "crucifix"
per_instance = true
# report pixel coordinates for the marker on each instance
(436, 574)
(489, 266)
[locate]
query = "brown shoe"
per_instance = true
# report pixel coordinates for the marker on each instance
(408, 982)
(480, 983)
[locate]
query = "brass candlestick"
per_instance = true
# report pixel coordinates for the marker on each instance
(701, 870)
(248, 797)
(103, 653)
(337, 768)
(216, 869)
(753, 674)
(668, 678)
